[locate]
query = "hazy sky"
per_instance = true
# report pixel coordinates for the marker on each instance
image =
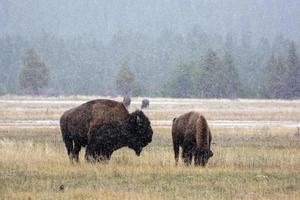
(102, 19)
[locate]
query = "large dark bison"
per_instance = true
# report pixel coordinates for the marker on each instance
(145, 103)
(76, 123)
(126, 101)
(191, 132)
(135, 132)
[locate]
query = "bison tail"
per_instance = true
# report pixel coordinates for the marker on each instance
(64, 128)
(202, 133)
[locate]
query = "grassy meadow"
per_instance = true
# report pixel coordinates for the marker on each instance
(249, 162)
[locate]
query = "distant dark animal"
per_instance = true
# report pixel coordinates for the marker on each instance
(76, 123)
(61, 188)
(298, 132)
(135, 132)
(126, 101)
(145, 103)
(191, 132)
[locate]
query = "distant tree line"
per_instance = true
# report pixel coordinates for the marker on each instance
(172, 65)
(215, 77)
(282, 75)
(211, 77)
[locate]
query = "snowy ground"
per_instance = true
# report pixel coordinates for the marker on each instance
(158, 105)
(227, 123)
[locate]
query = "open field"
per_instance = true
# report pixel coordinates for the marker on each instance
(249, 162)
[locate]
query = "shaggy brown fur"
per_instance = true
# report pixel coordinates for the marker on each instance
(134, 132)
(191, 132)
(77, 122)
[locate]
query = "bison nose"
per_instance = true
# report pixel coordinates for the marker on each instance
(138, 151)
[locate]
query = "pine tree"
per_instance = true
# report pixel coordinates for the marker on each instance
(293, 72)
(279, 80)
(229, 78)
(34, 74)
(7, 67)
(268, 80)
(125, 81)
(206, 77)
(275, 83)
(180, 83)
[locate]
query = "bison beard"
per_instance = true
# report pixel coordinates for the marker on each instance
(135, 133)
(191, 132)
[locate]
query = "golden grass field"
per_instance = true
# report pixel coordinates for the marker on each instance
(249, 162)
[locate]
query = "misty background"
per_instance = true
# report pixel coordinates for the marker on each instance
(171, 47)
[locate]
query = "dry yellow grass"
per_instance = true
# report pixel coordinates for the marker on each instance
(36, 169)
(248, 162)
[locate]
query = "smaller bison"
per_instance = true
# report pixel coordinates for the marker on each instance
(134, 132)
(191, 132)
(145, 103)
(126, 101)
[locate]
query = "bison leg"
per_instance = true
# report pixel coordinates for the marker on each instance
(76, 151)
(96, 154)
(90, 153)
(187, 158)
(101, 158)
(89, 157)
(176, 151)
(108, 155)
(187, 153)
(69, 146)
(104, 156)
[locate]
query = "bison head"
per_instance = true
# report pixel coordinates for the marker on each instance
(145, 103)
(202, 156)
(141, 131)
